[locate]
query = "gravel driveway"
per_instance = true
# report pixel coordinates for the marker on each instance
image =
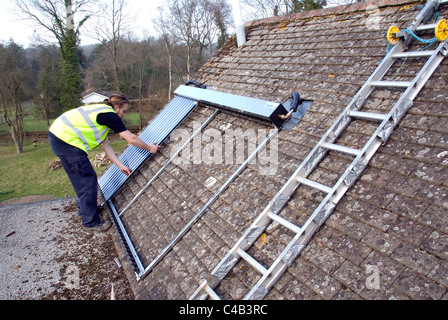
(45, 254)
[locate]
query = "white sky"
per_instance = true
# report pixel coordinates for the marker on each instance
(22, 31)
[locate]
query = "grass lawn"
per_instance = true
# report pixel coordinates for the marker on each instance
(32, 124)
(29, 173)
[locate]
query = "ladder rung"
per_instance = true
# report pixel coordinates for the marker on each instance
(342, 149)
(314, 184)
(211, 292)
(398, 84)
(254, 263)
(367, 115)
(422, 27)
(284, 222)
(413, 54)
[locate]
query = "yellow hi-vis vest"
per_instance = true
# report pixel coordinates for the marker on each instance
(79, 128)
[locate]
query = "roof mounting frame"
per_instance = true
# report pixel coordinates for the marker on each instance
(140, 270)
(188, 98)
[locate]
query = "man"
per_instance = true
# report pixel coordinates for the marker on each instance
(80, 130)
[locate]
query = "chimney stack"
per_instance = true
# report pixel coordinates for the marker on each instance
(239, 26)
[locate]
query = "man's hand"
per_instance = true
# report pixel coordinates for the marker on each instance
(137, 142)
(127, 171)
(113, 157)
(154, 148)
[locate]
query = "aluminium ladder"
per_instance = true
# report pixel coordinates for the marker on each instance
(362, 157)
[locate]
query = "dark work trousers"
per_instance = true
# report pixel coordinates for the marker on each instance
(82, 176)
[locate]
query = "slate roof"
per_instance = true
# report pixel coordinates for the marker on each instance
(394, 221)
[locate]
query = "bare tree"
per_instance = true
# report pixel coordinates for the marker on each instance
(110, 30)
(46, 63)
(14, 72)
(139, 59)
(164, 25)
(212, 28)
(223, 17)
(186, 18)
(259, 9)
(195, 24)
(58, 17)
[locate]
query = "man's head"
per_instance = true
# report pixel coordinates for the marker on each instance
(120, 104)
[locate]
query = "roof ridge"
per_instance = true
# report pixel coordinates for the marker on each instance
(338, 10)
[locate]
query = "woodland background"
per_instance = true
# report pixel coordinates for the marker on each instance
(42, 81)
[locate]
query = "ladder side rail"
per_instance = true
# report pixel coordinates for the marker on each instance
(428, 69)
(231, 258)
(425, 14)
(281, 264)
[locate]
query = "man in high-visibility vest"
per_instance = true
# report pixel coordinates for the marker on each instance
(80, 130)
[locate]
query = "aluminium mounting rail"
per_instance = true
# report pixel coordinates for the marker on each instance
(269, 276)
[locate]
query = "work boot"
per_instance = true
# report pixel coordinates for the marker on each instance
(102, 227)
